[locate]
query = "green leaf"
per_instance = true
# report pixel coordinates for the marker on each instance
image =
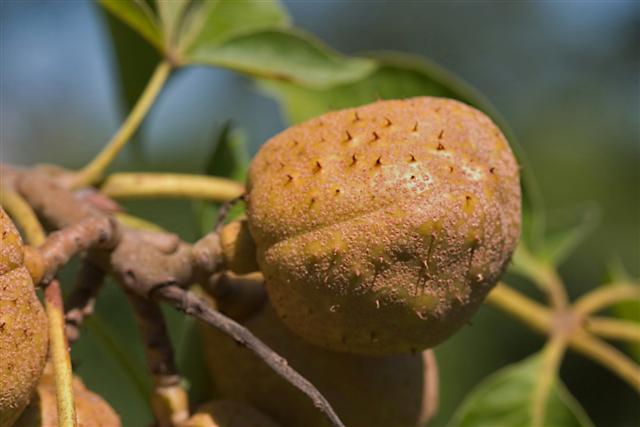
(397, 76)
(171, 13)
(505, 400)
(628, 310)
(191, 362)
(209, 23)
(401, 76)
(139, 16)
(279, 54)
(135, 60)
(576, 225)
(100, 331)
(229, 159)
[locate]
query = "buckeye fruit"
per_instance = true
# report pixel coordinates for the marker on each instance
(399, 390)
(381, 228)
(23, 327)
(227, 413)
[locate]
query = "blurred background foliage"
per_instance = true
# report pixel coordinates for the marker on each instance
(564, 75)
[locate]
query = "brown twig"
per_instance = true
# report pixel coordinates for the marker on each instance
(197, 307)
(157, 265)
(224, 210)
(81, 301)
(92, 232)
(169, 399)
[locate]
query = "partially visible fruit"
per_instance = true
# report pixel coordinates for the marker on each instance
(381, 229)
(238, 297)
(23, 327)
(365, 391)
(227, 413)
(238, 247)
(91, 409)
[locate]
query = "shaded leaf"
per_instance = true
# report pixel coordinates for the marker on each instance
(191, 362)
(280, 54)
(505, 400)
(576, 225)
(135, 60)
(99, 329)
(209, 23)
(138, 15)
(230, 159)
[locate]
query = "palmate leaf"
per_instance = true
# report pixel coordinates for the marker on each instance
(171, 13)
(210, 23)
(505, 400)
(248, 36)
(282, 54)
(138, 15)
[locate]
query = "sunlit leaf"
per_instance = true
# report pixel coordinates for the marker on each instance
(138, 15)
(505, 400)
(279, 54)
(209, 23)
(171, 13)
(576, 225)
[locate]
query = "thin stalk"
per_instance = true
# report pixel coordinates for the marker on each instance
(543, 275)
(145, 185)
(137, 223)
(551, 359)
(607, 356)
(528, 311)
(605, 296)
(623, 330)
(22, 213)
(93, 171)
(59, 353)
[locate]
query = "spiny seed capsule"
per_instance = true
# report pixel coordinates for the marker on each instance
(397, 390)
(394, 243)
(23, 327)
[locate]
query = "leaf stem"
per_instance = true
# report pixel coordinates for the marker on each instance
(543, 275)
(605, 296)
(551, 359)
(143, 185)
(59, 353)
(528, 311)
(607, 356)
(616, 329)
(137, 223)
(93, 171)
(22, 213)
